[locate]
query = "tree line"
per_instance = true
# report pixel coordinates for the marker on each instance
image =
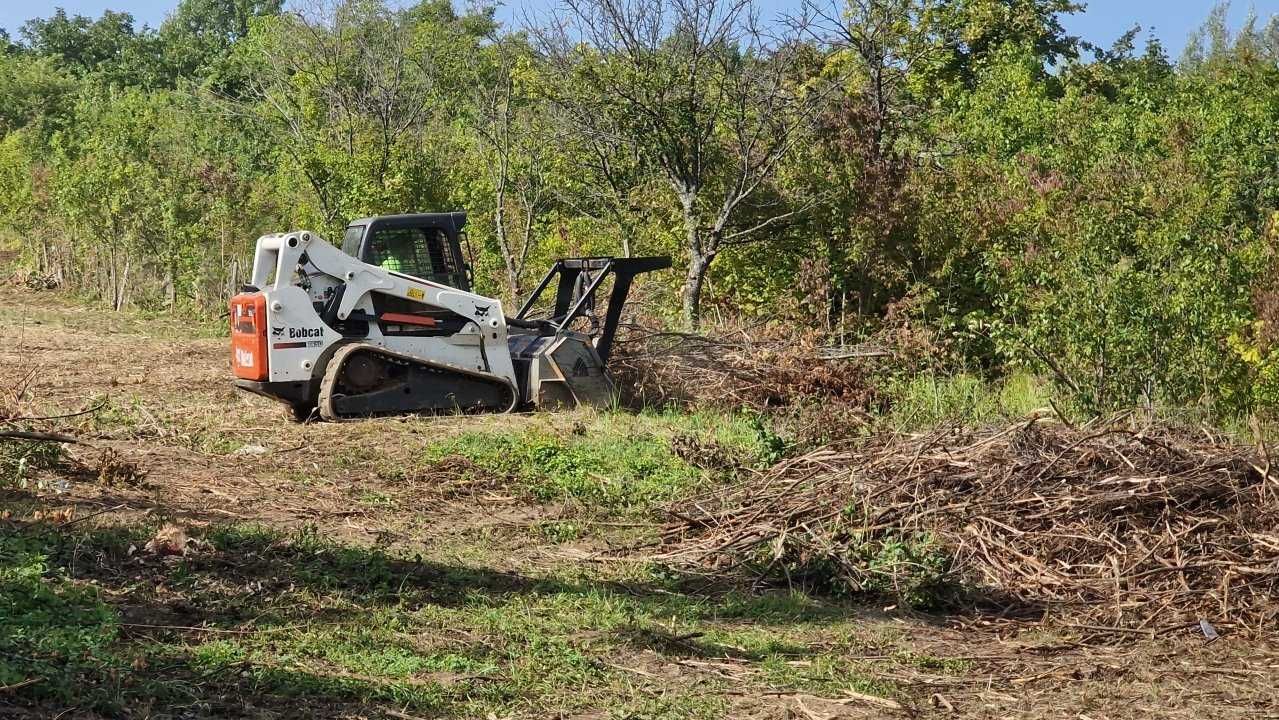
(961, 175)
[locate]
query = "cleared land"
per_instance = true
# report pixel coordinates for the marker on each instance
(201, 556)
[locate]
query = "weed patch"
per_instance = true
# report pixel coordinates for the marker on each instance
(54, 633)
(20, 460)
(560, 531)
(601, 467)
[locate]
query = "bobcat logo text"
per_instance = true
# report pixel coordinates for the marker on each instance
(305, 333)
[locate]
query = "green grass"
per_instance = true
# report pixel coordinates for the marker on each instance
(827, 675)
(303, 623)
(560, 531)
(609, 462)
(53, 631)
(21, 460)
(298, 618)
(927, 401)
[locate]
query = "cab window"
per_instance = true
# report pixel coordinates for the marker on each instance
(420, 252)
(351, 240)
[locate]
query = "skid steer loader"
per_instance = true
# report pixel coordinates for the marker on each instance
(388, 325)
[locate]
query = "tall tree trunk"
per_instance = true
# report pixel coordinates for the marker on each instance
(502, 146)
(171, 287)
(508, 258)
(691, 295)
(698, 260)
(123, 287)
(504, 242)
(109, 290)
(526, 242)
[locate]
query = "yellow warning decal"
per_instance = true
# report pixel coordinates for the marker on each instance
(416, 294)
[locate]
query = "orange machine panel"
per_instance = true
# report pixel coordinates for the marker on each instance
(248, 336)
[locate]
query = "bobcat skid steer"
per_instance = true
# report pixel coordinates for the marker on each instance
(388, 325)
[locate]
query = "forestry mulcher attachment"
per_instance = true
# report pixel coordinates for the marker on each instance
(388, 325)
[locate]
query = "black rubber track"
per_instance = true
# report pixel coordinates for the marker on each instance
(412, 385)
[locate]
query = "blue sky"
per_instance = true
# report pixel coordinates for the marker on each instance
(1102, 23)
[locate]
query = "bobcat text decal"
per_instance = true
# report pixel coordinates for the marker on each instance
(309, 337)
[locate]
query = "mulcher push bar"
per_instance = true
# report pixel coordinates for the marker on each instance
(571, 298)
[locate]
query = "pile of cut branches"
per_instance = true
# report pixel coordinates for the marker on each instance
(1113, 526)
(755, 368)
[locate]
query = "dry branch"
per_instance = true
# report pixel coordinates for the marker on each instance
(39, 436)
(1118, 528)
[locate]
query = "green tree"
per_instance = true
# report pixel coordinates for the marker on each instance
(197, 38)
(696, 93)
(108, 48)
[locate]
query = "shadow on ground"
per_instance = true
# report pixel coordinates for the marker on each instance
(106, 622)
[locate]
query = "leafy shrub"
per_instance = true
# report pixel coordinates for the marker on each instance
(912, 570)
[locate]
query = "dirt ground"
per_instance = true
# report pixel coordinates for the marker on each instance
(214, 458)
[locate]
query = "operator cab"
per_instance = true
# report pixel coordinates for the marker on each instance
(423, 245)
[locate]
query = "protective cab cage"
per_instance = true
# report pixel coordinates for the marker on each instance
(431, 243)
(438, 237)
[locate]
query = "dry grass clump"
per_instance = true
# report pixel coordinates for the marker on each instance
(451, 477)
(113, 470)
(1120, 527)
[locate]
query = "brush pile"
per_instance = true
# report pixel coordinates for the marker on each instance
(1115, 528)
(744, 369)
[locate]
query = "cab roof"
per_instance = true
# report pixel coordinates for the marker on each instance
(451, 220)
